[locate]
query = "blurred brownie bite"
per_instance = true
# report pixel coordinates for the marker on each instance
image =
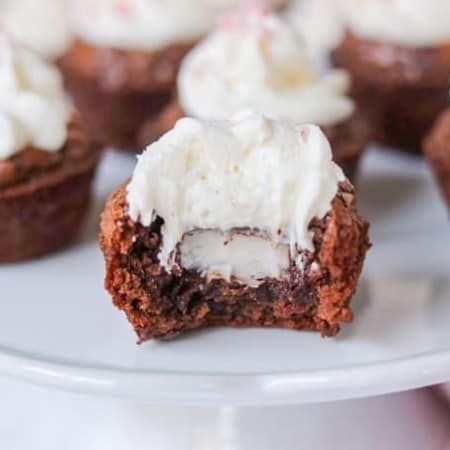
(244, 222)
(398, 54)
(47, 159)
(121, 69)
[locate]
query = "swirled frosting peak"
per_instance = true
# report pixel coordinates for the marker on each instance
(39, 24)
(140, 24)
(33, 110)
(256, 60)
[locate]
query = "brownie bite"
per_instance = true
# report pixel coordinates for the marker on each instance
(122, 66)
(244, 223)
(47, 159)
(437, 151)
(398, 54)
(255, 59)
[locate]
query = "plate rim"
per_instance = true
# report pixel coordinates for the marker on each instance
(258, 388)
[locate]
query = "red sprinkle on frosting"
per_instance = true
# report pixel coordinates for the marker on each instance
(303, 133)
(240, 20)
(123, 8)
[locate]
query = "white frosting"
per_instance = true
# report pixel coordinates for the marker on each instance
(256, 60)
(251, 172)
(233, 255)
(406, 22)
(320, 24)
(41, 25)
(32, 104)
(140, 24)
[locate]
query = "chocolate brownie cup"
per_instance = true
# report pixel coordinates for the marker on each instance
(254, 59)
(121, 69)
(437, 150)
(47, 160)
(398, 54)
(244, 223)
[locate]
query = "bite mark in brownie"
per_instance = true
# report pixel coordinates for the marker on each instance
(161, 305)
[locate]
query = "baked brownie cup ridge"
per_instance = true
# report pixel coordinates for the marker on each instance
(256, 60)
(398, 54)
(47, 160)
(245, 222)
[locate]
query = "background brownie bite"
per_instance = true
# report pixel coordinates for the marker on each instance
(398, 54)
(121, 70)
(121, 91)
(206, 233)
(47, 160)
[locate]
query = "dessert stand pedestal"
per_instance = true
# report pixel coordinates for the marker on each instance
(244, 389)
(53, 420)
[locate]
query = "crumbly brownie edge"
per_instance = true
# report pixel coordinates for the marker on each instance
(160, 305)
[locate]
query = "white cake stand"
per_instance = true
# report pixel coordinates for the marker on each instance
(58, 328)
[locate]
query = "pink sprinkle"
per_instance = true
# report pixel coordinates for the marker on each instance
(230, 22)
(257, 8)
(123, 8)
(240, 19)
(304, 133)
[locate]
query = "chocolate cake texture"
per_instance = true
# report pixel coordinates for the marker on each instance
(162, 305)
